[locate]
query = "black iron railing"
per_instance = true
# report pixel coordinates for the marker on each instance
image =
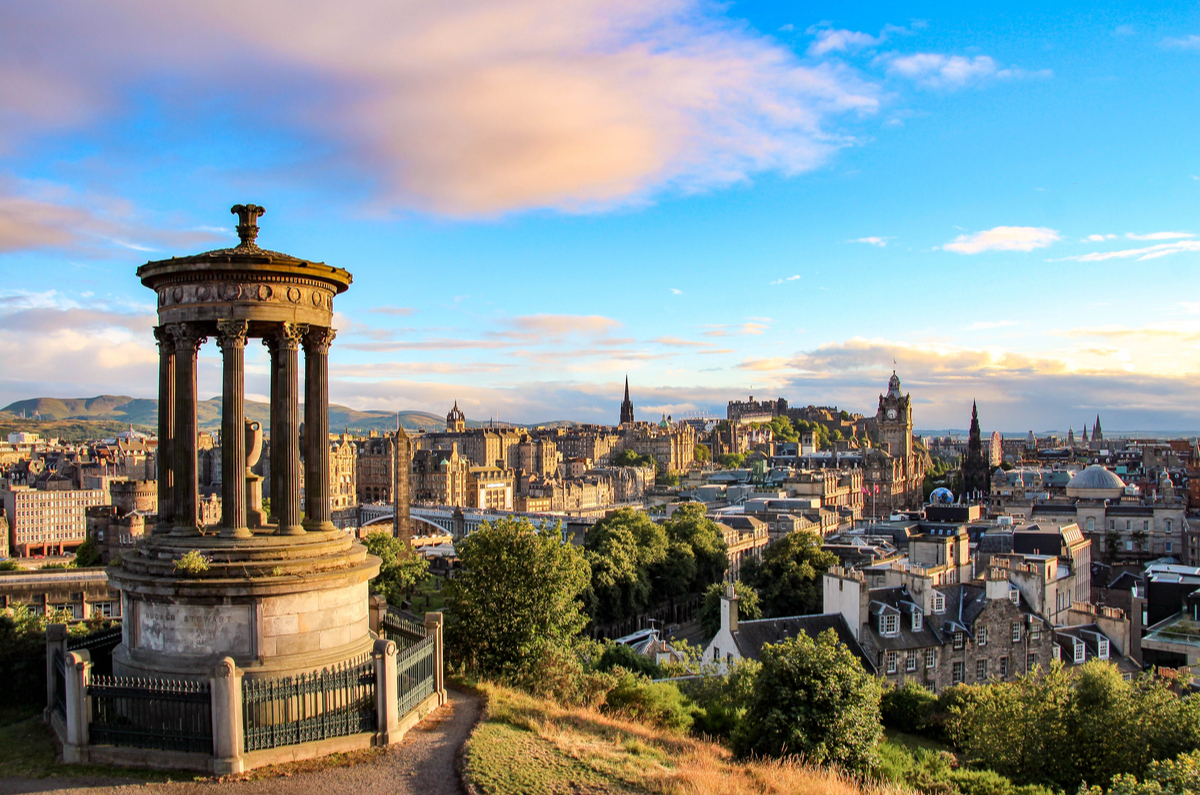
(403, 627)
(416, 676)
(333, 702)
(167, 714)
(100, 646)
(60, 684)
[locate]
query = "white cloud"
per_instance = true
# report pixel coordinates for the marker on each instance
(1148, 252)
(781, 280)
(1159, 236)
(1098, 238)
(936, 70)
(1004, 238)
(464, 109)
(1191, 42)
(834, 40)
(872, 241)
(676, 291)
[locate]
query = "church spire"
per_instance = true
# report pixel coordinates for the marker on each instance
(626, 405)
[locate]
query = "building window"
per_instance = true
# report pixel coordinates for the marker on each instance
(1016, 632)
(1168, 525)
(959, 640)
(893, 662)
(939, 602)
(1169, 547)
(981, 669)
(1035, 630)
(1091, 524)
(1103, 649)
(1003, 666)
(930, 658)
(1146, 525)
(891, 624)
(918, 620)
(981, 635)
(1057, 652)
(103, 608)
(911, 662)
(957, 675)
(1080, 651)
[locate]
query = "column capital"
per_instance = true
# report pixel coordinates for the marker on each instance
(318, 339)
(186, 336)
(285, 337)
(166, 342)
(232, 333)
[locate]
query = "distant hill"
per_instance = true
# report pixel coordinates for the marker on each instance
(143, 412)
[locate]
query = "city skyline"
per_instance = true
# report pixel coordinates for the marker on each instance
(537, 198)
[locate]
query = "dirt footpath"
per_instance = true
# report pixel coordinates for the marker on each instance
(424, 763)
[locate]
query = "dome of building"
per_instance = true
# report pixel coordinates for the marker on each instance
(941, 496)
(1095, 482)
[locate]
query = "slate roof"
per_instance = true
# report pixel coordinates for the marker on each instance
(753, 635)
(899, 598)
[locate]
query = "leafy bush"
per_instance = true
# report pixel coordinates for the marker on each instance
(192, 562)
(399, 569)
(812, 699)
(87, 554)
(934, 773)
(908, 708)
(618, 654)
(1179, 776)
(657, 703)
(749, 608)
(723, 700)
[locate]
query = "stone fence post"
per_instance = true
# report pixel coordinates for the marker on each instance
(377, 610)
(433, 626)
(226, 693)
(79, 712)
(387, 699)
(56, 641)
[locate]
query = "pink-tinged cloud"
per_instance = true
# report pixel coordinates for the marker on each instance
(461, 108)
(1004, 238)
(1144, 253)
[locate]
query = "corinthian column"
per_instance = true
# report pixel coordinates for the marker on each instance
(285, 429)
(188, 338)
(316, 426)
(166, 428)
(231, 336)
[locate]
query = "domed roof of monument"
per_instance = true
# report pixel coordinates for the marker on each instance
(1096, 477)
(894, 385)
(245, 256)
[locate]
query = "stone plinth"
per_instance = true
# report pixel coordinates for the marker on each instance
(278, 605)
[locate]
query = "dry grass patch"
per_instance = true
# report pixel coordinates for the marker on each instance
(527, 745)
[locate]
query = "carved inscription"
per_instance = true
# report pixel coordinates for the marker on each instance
(193, 629)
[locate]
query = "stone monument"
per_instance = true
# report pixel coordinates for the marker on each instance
(280, 595)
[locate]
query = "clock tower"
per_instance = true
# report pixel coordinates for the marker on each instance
(894, 420)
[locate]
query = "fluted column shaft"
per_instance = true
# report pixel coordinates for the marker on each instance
(316, 426)
(285, 437)
(231, 336)
(186, 504)
(166, 428)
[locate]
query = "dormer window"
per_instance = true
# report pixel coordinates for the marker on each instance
(890, 625)
(1080, 651)
(918, 620)
(1057, 652)
(1014, 596)
(939, 602)
(1102, 649)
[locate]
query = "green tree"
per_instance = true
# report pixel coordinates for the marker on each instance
(702, 453)
(812, 699)
(87, 554)
(1179, 776)
(400, 568)
(621, 549)
(517, 596)
(689, 530)
(749, 608)
(732, 460)
(783, 429)
(788, 577)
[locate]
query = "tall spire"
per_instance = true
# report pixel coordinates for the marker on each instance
(626, 405)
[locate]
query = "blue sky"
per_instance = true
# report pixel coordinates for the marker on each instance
(536, 198)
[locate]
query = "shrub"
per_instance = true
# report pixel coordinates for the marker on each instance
(657, 703)
(722, 700)
(908, 708)
(618, 654)
(192, 562)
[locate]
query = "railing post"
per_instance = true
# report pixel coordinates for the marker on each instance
(387, 696)
(56, 641)
(79, 713)
(226, 694)
(433, 626)
(377, 611)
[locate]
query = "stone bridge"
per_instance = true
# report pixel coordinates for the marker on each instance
(443, 518)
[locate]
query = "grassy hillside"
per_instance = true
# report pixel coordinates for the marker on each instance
(66, 430)
(143, 413)
(534, 747)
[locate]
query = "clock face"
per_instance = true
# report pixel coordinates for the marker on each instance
(891, 414)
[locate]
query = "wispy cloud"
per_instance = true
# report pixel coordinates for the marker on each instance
(466, 109)
(1159, 235)
(787, 279)
(1098, 238)
(1191, 42)
(395, 311)
(1147, 252)
(676, 291)
(872, 241)
(1004, 238)
(937, 70)
(988, 324)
